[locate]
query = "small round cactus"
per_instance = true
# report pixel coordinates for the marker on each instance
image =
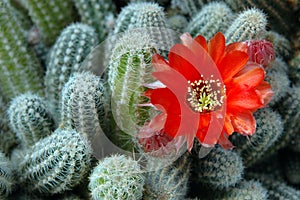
(56, 163)
(117, 177)
(249, 25)
(29, 118)
(6, 178)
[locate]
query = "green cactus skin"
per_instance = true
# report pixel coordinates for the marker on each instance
(167, 182)
(281, 44)
(277, 190)
(56, 163)
(117, 177)
(19, 69)
(189, 7)
(279, 81)
(294, 69)
(295, 143)
(30, 118)
(83, 104)
(291, 167)
(245, 190)
(213, 17)
(249, 24)
(50, 17)
(177, 22)
(269, 129)
(8, 138)
(98, 14)
(71, 48)
(278, 11)
(219, 169)
(6, 177)
(129, 68)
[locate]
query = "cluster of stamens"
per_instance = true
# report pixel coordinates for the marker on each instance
(206, 95)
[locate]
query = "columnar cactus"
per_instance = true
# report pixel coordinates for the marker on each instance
(83, 104)
(276, 189)
(71, 48)
(50, 17)
(6, 177)
(30, 118)
(19, 69)
(129, 69)
(117, 177)
(249, 24)
(189, 7)
(220, 168)
(97, 13)
(56, 163)
(213, 17)
(177, 22)
(244, 190)
(167, 182)
(269, 129)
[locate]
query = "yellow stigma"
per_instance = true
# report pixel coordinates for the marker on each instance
(206, 95)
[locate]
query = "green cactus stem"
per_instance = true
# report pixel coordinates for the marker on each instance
(6, 177)
(19, 69)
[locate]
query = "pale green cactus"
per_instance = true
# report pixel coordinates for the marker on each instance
(19, 68)
(213, 17)
(56, 163)
(30, 118)
(98, 14)
(117, 177)
(71, 48)
(248, 25)
(50, 17)
(167, 182)
(282, 46)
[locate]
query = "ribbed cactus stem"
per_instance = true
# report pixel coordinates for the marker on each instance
(245, 190)
(213, 17)
(117, 177)
(189, 7)
(71, 48)
(30, 118)
(269, 129)
(56, 163)
(97, 13)
(50, 17)
(83, 104)
(276, 189)
(294, 69)
(167, 182)
(129, 69)
(249, 24)
(19, 69)
(6, 177)
(281, 44)
(220, 168)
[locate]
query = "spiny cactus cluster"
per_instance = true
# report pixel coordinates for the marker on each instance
(54, 101)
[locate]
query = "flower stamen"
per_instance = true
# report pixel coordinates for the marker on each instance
(206, 95)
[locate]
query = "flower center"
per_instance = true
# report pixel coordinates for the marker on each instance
(206, 95)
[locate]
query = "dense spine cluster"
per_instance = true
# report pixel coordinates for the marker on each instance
(6, 176)
(56, 163)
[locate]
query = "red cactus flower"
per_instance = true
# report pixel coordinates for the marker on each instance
(207, 90)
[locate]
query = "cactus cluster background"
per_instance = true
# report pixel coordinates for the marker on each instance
(54, 100)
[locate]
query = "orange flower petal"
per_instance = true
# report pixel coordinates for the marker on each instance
(250, 77)
(244, 123)
(231, 64)
(265, 92)
(237, 46)
(202, 41)
(240, 99)
(216, 47)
